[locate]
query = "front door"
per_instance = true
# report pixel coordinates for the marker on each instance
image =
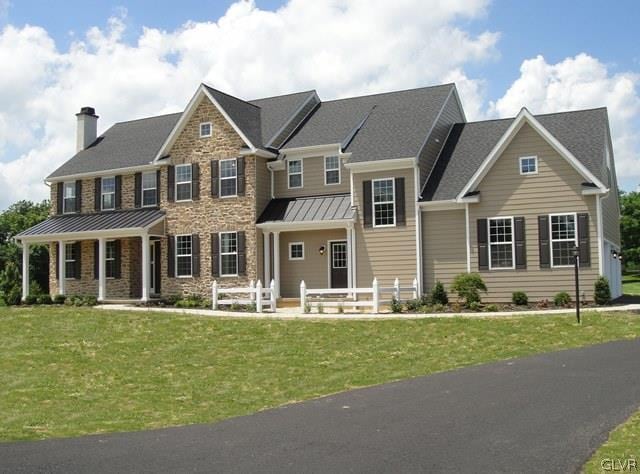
(338, 265)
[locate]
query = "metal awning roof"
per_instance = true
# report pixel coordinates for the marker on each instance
(125, 223)
(336, 207)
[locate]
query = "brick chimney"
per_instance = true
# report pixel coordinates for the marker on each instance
(87, 128)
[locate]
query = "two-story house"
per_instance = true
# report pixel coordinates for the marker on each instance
(291, 188)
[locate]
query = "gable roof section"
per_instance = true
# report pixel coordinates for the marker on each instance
(471, 148)
(396, 124)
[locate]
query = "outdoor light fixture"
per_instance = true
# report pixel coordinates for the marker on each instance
(620, 257)
(576, 257)
(614, 253)
(321, 250)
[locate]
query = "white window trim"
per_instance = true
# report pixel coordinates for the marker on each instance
(102, 193)
(522, 158)
(301, 173)
(220, 254)
(291, 244)
(183, 182)
(220, 179)
(107, 259)
(513, 242)
(64, 199)
(373, 202)
(68, 260)
(190, 255)
(155, 188)
(338, 169)
(210, 129)
(551, 240)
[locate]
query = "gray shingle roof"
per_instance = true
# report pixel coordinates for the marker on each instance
(245, 115)
(395, 128)
(64, 224)
(582, 132)
(124, 145)
(316, 208)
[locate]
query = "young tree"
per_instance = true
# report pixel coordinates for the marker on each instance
(630, 227)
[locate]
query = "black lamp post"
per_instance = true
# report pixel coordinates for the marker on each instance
(576, 258)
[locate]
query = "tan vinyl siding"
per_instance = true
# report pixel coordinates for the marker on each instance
(312, 180)
(314, 269)
(390, 252)
(611, 213)
(263, 185)
(555, 189)
(444, 249)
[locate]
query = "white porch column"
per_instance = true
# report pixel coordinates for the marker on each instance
(62, 271)
(25, 270)
(102, 269)
(146, 264)
(354, 258)
(266, 236)
(349, 258)
(276, 261)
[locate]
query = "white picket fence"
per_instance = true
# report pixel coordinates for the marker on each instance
(335, 297)
(255, 294)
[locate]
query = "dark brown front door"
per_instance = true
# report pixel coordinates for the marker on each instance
(339, 265)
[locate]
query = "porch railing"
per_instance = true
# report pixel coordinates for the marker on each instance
(253, 294)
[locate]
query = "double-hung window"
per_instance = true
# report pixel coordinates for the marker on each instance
(108, 193)
(70, 261)
(149, 189)
(528, 165)
(228, 253)
(331, 170)
(183, 256)
(296, 251)
(228, 178)
(110, 258)
(206, 129)
(384, 202)
(183, 182)
(564, 237)
(501, 249)
(69, 197)
(294, 173)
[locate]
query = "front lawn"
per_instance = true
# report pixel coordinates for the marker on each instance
(631, 284)
(69, 371)
(623, 445)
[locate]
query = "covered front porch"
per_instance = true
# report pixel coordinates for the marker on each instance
(114, 256)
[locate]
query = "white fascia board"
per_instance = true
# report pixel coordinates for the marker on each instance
(278, 165)
(447, 205)
(591, 191)
(307, 151)
(381, 165)
(526, 117)
(95, 174)
(306, 225)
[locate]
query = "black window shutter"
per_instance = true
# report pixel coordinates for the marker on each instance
(241, 178)
(195, 255)
(520, 242)
(171, 183)
(118, 261)
(79, 195)
(195, 181)
(483, 245)
(60, 199)
(118, 191)
(583, 240)
(77, 270)
(543, 241)
(242, 255)
(96, 260)
(97, 194)
(171, 262)
(138, 190)
(366, 204)
(214, 178)
(56, 247)
(158, 267)
(400, 202)
(215, 262)
(158, 191)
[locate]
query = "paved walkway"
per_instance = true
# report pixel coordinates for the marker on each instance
(544, 413)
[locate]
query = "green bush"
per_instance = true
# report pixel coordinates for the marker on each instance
(31, 299)
(602, 292)
(475, 306)
(395, 305)
(491, 308)
(414, 305)
(562, 299)
(520, 298)
(191, 301)
(307, 307)
(10, 284)
(320, 308)
(44, 299)
(59, 299)
(468, 287)
(438, 308)
(438, 294)
(89, 301)
(171, 300)
(426, 308)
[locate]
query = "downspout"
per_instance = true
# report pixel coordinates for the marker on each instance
(599, 232)
(418, 217)
(467, 235)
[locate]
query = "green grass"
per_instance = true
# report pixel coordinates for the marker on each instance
(71, 371)
(623, 444)
(631, 284)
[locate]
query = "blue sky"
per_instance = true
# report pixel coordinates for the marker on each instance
(590, 57)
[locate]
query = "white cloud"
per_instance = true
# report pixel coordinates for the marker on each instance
(340, 47)
(581, 82)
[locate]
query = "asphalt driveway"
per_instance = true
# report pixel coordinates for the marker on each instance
(545, 413)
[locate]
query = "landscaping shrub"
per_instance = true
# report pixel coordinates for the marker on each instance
(468, 287)
(31, 300)
(426, 308)
(191, 301)
(59, 299)
(396, 306)
(307, 307)
(438, 294)
(414, 305)
(89, 301)
(320, 308)
(235, 306)
(475, 306)
(491, 308)
(251, 308)
(44, 299)
(520, 298)
(562, 299)
(171, 300)
(438, 308)
(10, 287)
(602, 292)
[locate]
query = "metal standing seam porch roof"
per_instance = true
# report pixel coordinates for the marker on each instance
(139, 219)
(308, 209)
